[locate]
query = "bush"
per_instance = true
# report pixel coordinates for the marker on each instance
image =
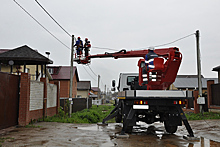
(93, 115)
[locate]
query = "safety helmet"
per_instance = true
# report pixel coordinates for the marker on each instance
(79, 38)
(86, 38)
(151, 48)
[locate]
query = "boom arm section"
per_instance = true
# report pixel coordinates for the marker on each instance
(161, 77)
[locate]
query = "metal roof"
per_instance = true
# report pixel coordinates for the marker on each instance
(216, 68)
(192, 82)
(63, 72)
(95, 89)
(84, 85)
(23, 54)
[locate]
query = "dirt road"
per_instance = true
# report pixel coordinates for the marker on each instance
(63, 134)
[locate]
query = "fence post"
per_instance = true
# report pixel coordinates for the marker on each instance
(24, 100)
(209, 92)
(196, 106)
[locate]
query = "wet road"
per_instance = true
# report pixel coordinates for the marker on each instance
(62, 134)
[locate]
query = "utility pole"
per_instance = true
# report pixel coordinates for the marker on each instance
(98, 87)
(105, 94)
(199, 67)
(71, 76)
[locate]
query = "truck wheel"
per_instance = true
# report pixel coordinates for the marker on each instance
(118, 118)
(170, 129)
(129, 129)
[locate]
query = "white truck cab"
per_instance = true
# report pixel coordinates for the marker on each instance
(125, 80)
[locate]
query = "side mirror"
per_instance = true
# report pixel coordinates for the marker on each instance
(113, 83)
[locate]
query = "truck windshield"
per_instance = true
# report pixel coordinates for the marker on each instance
(130, 79)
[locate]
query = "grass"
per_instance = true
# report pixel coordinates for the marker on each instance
(97, 114)
(200, 116)
(3, 139)
(93, 115)
(32, 126)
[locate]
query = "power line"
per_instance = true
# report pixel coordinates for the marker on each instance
(89, 74)
(170, 42)
(52, 18)
(92, 71)
(175, 40)
(41, 24)
(104, 48)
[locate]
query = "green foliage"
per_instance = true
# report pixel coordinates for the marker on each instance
(205, 115)
(3, 139)
(32, 126)
(93, 115)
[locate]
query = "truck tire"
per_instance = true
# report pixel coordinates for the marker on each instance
(118, 118)
(129, 129)
(170, 129)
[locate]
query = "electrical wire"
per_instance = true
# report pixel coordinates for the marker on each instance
(92, 70)
(52, 18)
(40, 24)
(170, 42)
(104, 48)
(89, 74)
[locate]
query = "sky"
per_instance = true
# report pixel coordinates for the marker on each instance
(115, 24)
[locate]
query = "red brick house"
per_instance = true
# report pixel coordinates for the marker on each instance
(62, 74)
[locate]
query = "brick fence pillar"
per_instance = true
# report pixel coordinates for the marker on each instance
(58, 96)
(24, 100)
(44, 80)
(196, 106)
(209, 92)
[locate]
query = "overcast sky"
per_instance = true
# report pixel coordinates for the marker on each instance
(115, 24)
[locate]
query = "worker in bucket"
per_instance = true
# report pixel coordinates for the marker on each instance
(79, 46)
(149, 62)
(87, 47)
(149, 58)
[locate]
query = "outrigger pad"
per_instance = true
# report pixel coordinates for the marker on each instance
(191, 138)
(102, 124)
(122, 135)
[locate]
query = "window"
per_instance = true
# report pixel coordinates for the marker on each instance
(50, 70)
(130, 79)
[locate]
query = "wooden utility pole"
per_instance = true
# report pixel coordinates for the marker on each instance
(199, 66)
(71, 76)
(98, 87)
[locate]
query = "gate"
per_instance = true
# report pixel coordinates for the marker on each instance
(215, 94)
(9, 100)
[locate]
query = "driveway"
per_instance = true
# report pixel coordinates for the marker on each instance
(64, 134)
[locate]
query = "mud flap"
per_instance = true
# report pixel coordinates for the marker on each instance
(127, 120)
(185, 121)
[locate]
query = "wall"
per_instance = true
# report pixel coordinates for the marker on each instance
(33, 99)
(83, 93)
(51, 99)
(36, 95)
(64, 88)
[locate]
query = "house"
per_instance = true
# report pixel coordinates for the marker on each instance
(218, 70)
(190, 82)
(24, 59)
(83, 89)
(94, 93)
(62, 74)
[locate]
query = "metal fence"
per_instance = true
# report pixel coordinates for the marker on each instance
(9, 100)
(215, 88)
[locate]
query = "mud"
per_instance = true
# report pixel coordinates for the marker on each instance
(62, 134)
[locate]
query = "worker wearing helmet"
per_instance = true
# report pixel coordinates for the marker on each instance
(87, 46)
(149, 62)
(149, 58)
(79, 46)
